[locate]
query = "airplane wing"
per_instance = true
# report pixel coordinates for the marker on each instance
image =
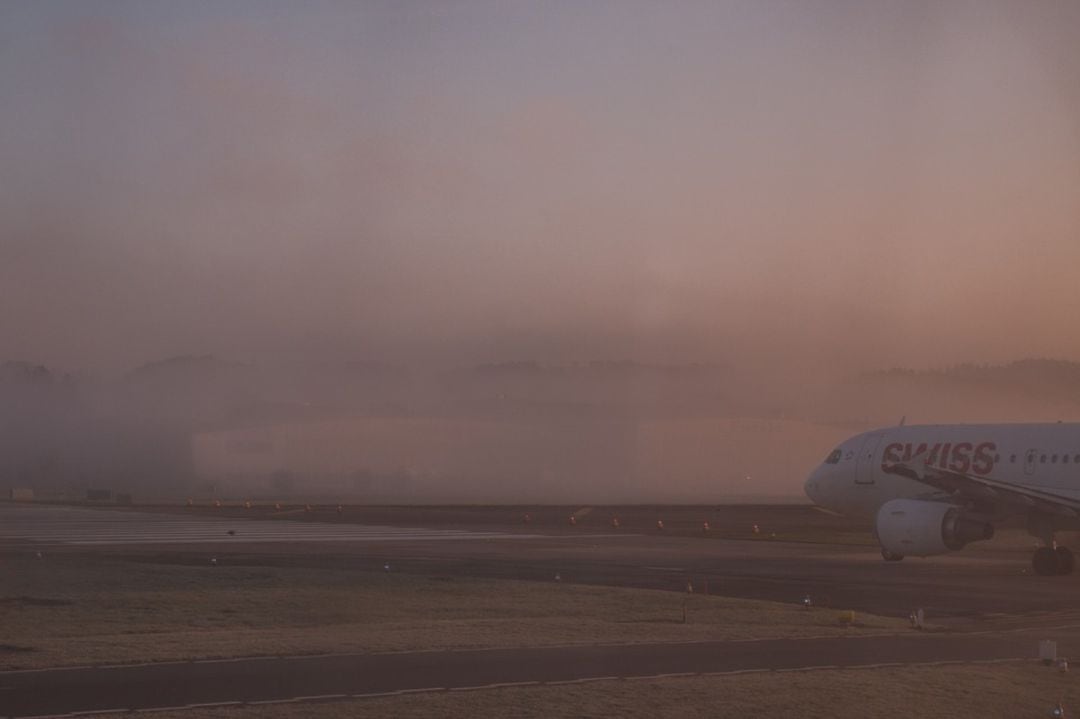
(985, 489)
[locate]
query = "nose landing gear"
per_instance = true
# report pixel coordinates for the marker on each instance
(1052, 561)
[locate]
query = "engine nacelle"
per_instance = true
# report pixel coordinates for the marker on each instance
(919, 528)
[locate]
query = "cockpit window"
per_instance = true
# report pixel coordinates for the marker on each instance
(833, 458)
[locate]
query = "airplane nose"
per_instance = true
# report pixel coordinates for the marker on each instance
(812, 487)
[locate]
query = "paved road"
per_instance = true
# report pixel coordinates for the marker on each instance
(962, 588)
(33, 693)
(76, 526)
(970, 586)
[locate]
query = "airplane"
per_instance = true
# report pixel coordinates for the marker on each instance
(933, 489)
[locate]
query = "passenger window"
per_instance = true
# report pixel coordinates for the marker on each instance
(833, 458)
(1012, 458)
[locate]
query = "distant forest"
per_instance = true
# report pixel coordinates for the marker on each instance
(63, 431)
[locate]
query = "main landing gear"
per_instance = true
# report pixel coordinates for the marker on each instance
(1052, 560)
(890, 556)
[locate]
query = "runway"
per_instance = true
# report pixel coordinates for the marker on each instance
(76, 526)
(335, 677)
(973, 586)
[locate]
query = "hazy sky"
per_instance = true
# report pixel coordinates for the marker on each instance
(850, 182)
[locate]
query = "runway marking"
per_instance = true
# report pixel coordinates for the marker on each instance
(273, 701)
(584, 680)
(224, 660)
(76, 667)
(89, 712)
(73, 526)
(500, 685)
(161, 709)
(734, 672)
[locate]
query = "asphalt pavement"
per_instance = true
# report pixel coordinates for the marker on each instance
(291, 679)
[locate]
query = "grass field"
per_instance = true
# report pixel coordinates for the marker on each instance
(68, 609)
(1012, 691)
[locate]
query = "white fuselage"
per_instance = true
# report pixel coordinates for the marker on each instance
(853, 480)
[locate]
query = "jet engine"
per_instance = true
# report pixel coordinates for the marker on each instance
(921, 529)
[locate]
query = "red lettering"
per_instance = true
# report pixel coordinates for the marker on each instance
(945, 455)
(961, 457)
(908, 456)
(983, 462)
(891, 455)
(932, 458)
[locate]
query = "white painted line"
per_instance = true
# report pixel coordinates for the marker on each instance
(88, 712)
(172, 662)
(220, 660)
(421, 691)
(585, 680)
(150, 710)
(102, 666)
(500, 685)
(320, 697)
(291, 700)
(734, 672)
(667, 676)
(83, 667)
(206, 705)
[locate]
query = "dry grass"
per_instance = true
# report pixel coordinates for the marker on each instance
(1014, 691)
(66, 610)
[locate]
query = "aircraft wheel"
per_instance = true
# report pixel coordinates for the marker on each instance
(891, 556)
(1045, 561)
(1064, 560)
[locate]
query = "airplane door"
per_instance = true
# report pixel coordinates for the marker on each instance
(864, 465)
(1029, 461)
